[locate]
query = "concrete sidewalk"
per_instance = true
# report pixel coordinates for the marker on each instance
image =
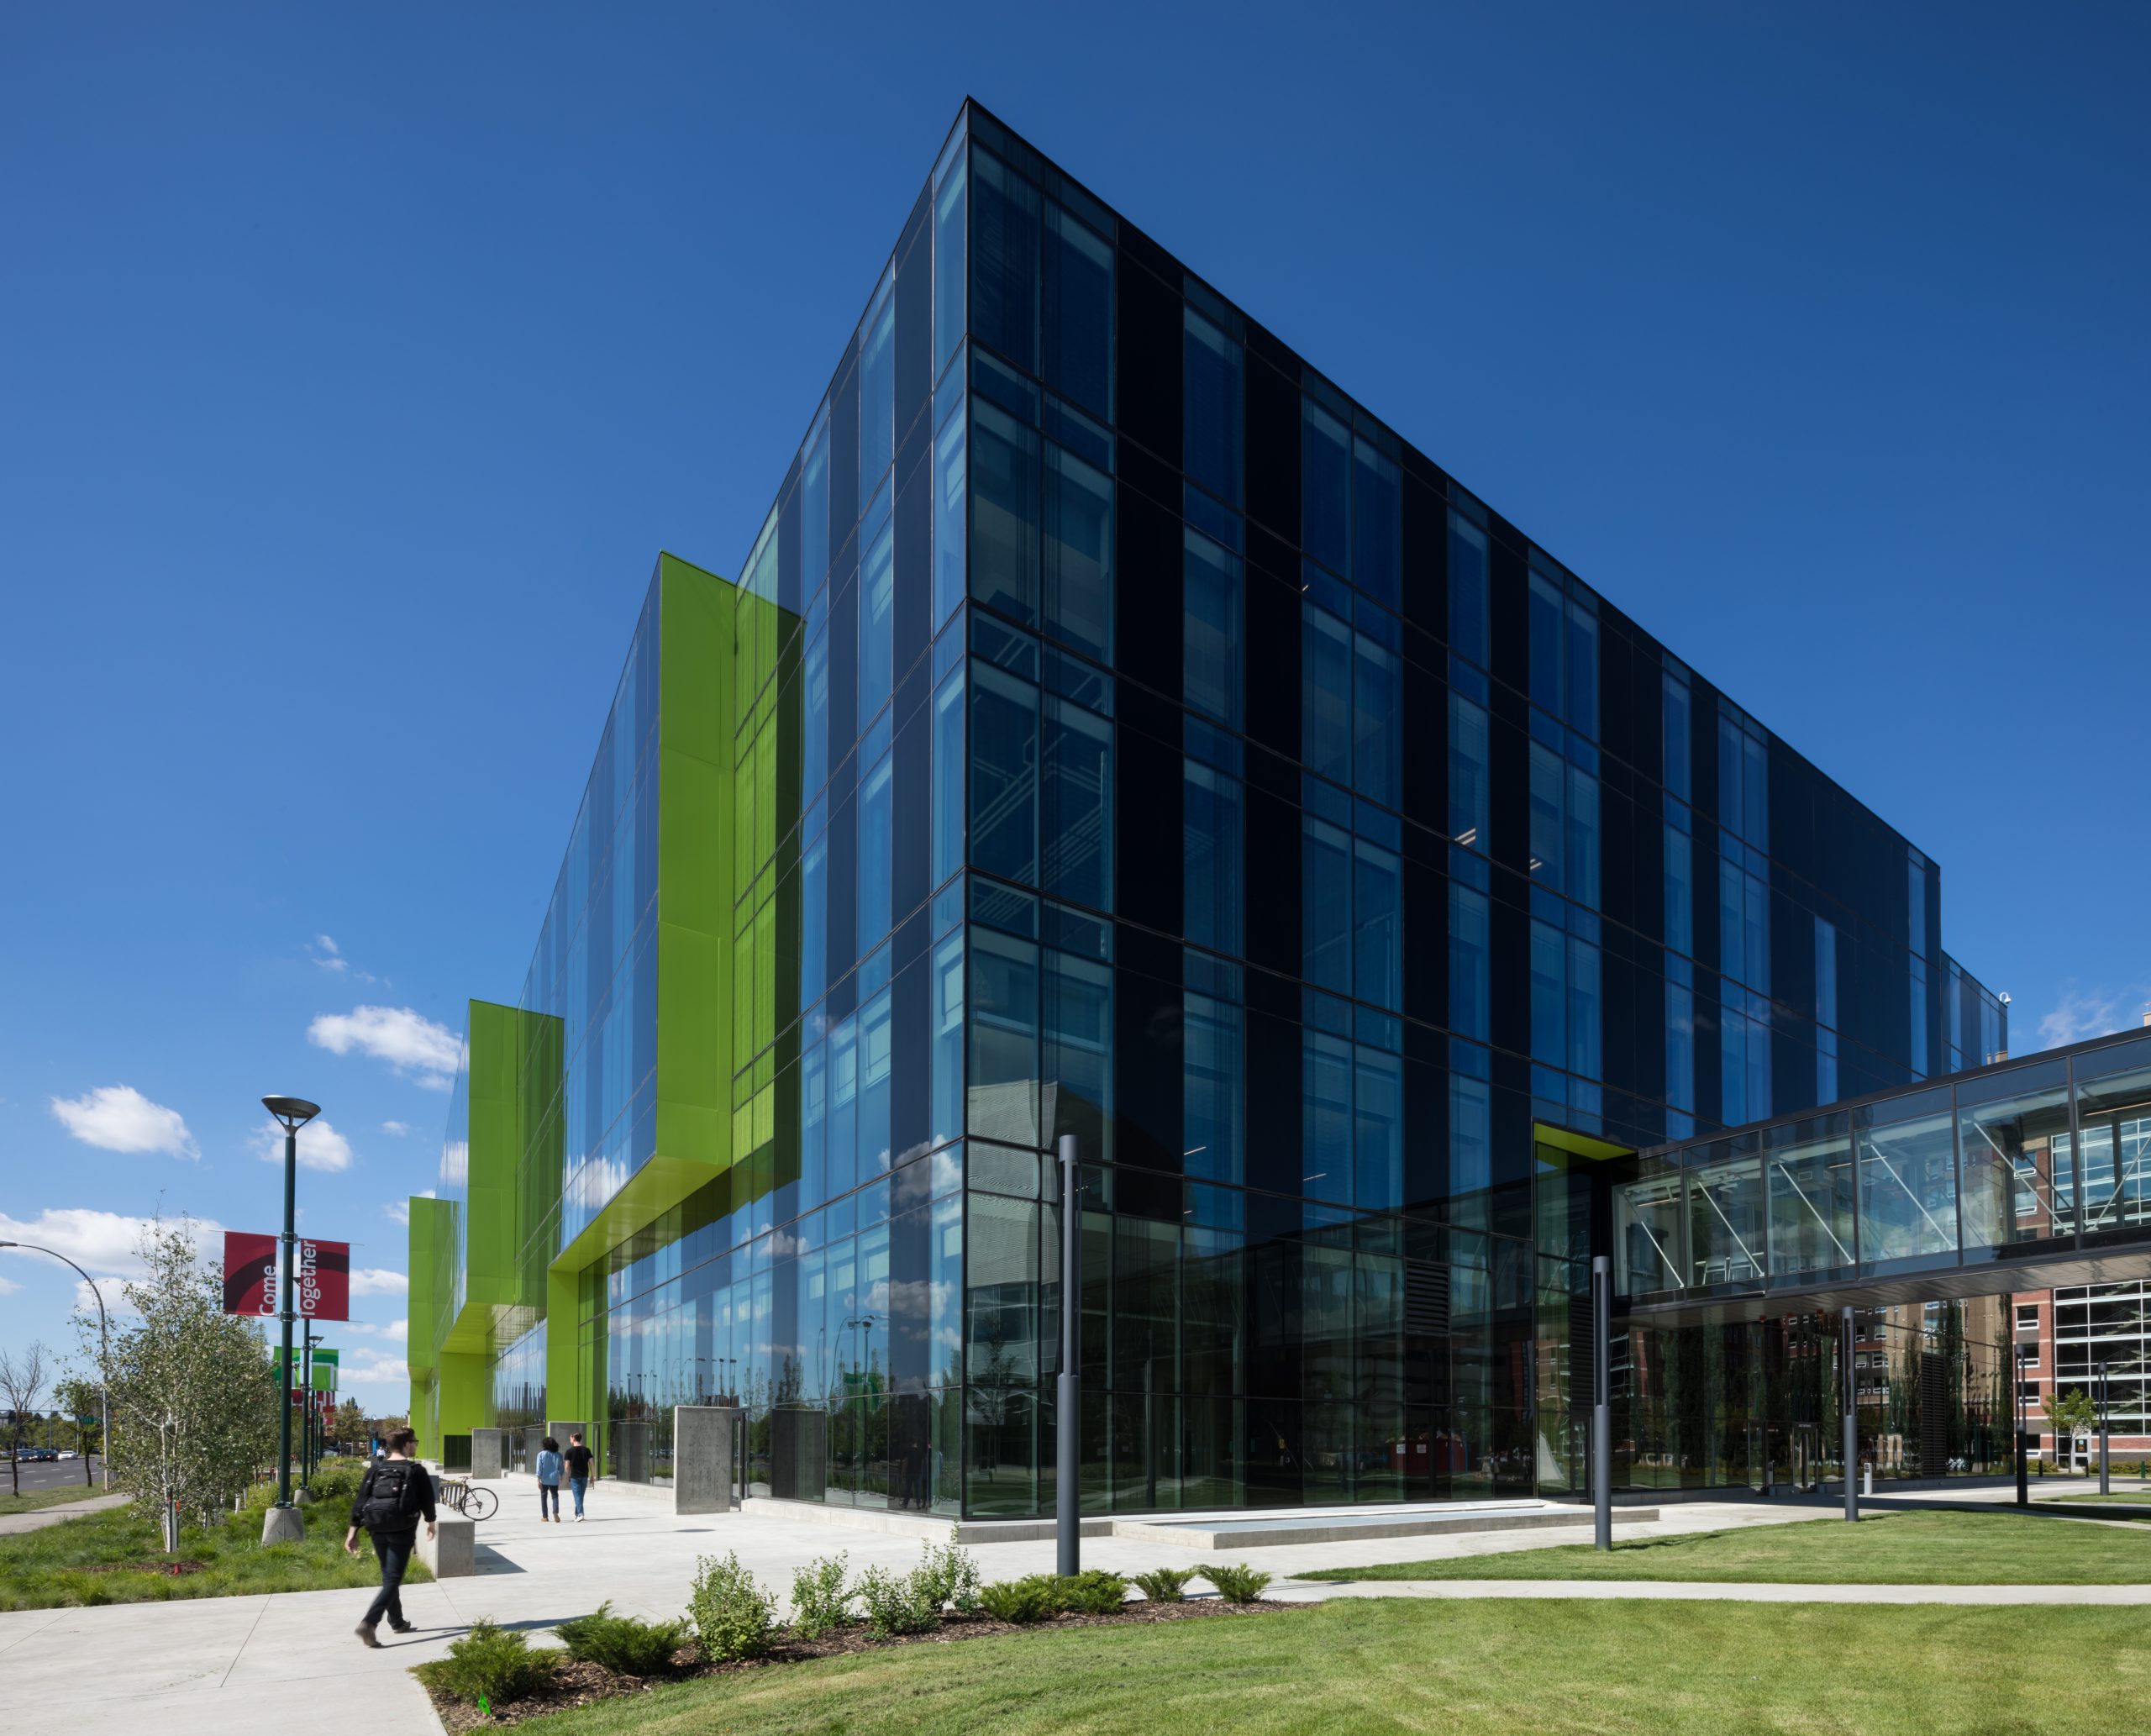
(15, 1525)
(219, 1665)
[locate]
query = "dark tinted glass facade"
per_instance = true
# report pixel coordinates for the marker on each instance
(1135, 737)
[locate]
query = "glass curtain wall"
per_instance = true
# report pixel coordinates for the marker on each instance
(1139, 740)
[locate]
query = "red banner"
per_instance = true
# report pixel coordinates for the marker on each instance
(250, 1274)
(322, 1289)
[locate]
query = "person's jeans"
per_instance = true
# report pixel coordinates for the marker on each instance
(394, 1549)
(549, 1496)
(578, 1485)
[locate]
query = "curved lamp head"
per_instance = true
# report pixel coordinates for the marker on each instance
(293, 1111)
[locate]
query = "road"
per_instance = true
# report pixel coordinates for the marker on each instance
(68, 1472)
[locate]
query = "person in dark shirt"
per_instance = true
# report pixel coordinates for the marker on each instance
(395, 1494)
(578, 1458)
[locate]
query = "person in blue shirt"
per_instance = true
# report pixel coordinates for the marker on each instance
(549, 1481)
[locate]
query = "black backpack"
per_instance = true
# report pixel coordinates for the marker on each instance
(391, 1502)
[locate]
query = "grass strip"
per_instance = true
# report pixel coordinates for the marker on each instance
(1493, 1667)
(2006, 1548)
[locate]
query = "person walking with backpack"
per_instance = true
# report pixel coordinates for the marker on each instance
(396, 1492)
(549, 1478)
(578, 1461)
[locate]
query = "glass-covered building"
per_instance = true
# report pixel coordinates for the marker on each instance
(1116, 728)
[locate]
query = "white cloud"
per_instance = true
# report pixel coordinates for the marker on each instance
(99, 1242)
(419, 1049)
(377, 1281)
(115, 1302)
(395, 1129)
(328, 955)
(366, 1366)
(118, 1118)
(397, 1330)
(399, 1210)
(321, 1147)
(9, 1286)
(2090, 1012)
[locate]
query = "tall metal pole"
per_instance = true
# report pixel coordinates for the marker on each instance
(1067, 1506)
(306, 1399)
(284, 1274)
(1602, 1400)
(2023, 1470)
(2103, 1487)
(1851, 1424)
(104, 1362)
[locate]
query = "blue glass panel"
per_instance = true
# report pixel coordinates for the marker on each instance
(1470, 952)
(1377, 523)
(1325, 906)
(1078, 553)
(1211, 629)
(1213, 391)
(948, 266)
(1212, 1090)
(1211, 823)
(1325, 693)
(1004, 246)
(1467, 589)
(950, 506)
(1377, 914)
(1325, 489)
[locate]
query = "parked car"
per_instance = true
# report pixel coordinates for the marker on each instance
(69, 1453)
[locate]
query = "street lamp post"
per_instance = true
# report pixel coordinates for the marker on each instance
(2104, 1488)
(282, 1522)
(2023, 1470)
(104, 1359)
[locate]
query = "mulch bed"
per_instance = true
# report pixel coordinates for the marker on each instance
(582, 1683)
(166, 1569)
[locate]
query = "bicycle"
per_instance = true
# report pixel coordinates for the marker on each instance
(467, 1498)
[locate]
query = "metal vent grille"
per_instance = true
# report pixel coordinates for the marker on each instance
(1426, 1299)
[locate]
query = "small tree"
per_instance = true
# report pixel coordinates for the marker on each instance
(2068, 1415)
(351, 1427)
(23, 1376)
(193, 1398)
(81, 1397)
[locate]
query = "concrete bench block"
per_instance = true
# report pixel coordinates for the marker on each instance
(487, 1450)
(702, 1458)
(452, 1553)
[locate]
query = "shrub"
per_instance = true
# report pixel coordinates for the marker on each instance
(490, 1662)
(1236, 1585)
(1094, 1593)
(1034, 1598)
(622, 1644)
(733, 1616)
(819, 1599)
(897, 1603)
(1165, 1585)
(949, 1576)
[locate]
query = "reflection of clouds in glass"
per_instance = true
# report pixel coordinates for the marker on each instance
(948, 1169)
(455, 1163)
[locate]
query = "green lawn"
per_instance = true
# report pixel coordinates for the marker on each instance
(80, 1560)
(1902, 1548)
(1496, 1667)
(2131, 1498)
(31, 1500)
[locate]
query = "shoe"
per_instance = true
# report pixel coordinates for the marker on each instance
(402, 1626)
(365, 1632)
(578, 1518)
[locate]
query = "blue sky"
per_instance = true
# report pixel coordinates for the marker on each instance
(360, 362)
